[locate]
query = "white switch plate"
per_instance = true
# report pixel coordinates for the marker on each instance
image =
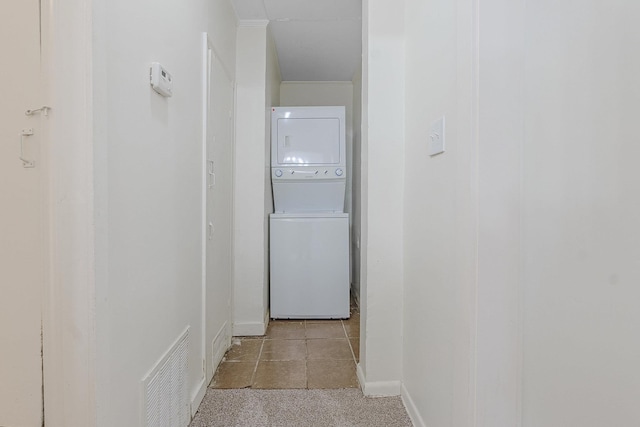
(436, 137)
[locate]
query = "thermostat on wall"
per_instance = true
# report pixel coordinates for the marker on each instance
(161, 80)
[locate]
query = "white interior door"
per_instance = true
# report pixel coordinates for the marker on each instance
(219, 204)
(21, 229)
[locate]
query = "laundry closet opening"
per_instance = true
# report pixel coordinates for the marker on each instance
(291, 54)
(296, 54)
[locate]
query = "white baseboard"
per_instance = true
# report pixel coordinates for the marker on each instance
(416, 419)
(360, 375)
(246, 329)
(377, 388)
(267, 318)
(197, 396)
(249, 329)
(219, 347)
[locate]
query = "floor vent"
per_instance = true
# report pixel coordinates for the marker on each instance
(166, 399)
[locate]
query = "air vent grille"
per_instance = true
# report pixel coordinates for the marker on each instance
(166, 402)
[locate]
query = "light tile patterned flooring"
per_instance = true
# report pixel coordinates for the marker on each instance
(294, 354)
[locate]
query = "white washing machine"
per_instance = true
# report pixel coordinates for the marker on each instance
(309, 266)
(309, 231)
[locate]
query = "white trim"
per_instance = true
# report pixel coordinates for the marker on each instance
(232, 213)
(411, 408)
(267, 317)
(253, 23)
(203, 231)
(475, 138)
(219, 346)
(361, 377)
(245, 329)
(248, 329)
(377, 388)
(331, 82)
(196, 398)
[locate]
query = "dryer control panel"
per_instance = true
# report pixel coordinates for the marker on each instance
(307, 173)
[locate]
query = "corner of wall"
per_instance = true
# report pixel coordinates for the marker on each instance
(377, 388)
(251, 329)
(411, 408)
(252, 186)
(382, 149)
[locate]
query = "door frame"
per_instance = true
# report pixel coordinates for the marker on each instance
(207, 52)
(69, 300)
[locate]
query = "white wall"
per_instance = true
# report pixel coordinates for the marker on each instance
(440, 219)
(272, 99)
(580, 214)
(254, 94)
(148, 190)
(380, 364)
(68, 317)
(519, 259)
(498, 294)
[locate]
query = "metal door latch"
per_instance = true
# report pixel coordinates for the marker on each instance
(25, 163)
(212, 174)
(44, 110)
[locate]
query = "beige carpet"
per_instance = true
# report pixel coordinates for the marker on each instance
(299, 408)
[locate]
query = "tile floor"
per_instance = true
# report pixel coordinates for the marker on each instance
(294, 354)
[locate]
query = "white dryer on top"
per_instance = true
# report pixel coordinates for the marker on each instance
(308, 159)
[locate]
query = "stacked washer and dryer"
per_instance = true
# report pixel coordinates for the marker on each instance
(309, 231)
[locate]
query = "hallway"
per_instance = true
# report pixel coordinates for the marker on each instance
(301, 373)
(497, 279)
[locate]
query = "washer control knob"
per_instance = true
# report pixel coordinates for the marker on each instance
(339, 172)
(278, 173)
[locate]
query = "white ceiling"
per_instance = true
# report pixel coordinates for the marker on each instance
(317, 40)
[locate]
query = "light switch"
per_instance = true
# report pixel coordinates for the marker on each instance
(436, 137)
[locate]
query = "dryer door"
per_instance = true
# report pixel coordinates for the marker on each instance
(308, 141)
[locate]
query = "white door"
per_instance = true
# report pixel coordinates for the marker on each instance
(219, 204)
(21, 229)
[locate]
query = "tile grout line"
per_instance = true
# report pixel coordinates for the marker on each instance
(306, 357)
(255, 368)
(306, 369)
(353, 355)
